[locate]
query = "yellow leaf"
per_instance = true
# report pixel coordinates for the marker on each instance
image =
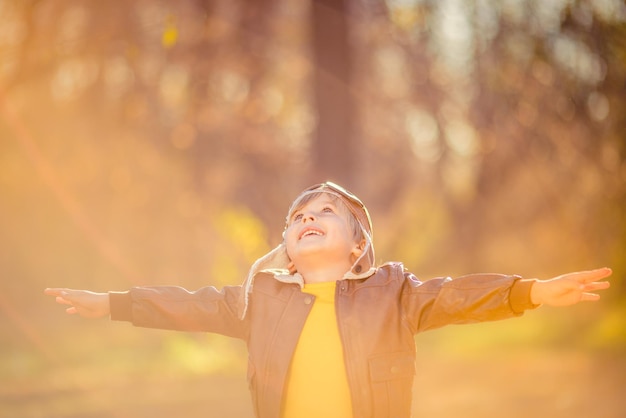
(170, 34)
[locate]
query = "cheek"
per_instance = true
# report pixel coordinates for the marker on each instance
(289, 238)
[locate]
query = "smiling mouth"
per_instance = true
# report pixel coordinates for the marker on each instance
(311, 232)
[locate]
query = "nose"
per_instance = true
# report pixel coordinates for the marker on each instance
(308, 217)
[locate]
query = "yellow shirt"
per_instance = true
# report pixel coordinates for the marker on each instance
(317, 385)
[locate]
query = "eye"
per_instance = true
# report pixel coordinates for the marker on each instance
(296, 217)
(328, 209)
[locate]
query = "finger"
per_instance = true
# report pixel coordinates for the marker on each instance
(598, 274)
(62, 300)
(596, 286)
(70, 295)
(71, 310)
(54, 291)
(589, 297)
(591, 275)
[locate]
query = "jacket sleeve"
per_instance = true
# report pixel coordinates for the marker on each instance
(170, 307)
(468, 299)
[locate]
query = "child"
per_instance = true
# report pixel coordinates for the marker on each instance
(328, 333)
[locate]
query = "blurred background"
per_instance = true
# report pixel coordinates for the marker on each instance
(154, 142)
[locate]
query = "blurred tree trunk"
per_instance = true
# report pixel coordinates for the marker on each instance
(333, 147)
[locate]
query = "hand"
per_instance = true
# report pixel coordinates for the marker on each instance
(83, 302)
(569, 289)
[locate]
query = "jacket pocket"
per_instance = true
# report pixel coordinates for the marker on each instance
(391, 377)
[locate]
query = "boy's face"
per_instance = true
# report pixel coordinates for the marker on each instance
(321, 227)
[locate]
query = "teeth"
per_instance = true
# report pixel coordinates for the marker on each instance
(311, 232)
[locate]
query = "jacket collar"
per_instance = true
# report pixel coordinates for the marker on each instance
(284, 276)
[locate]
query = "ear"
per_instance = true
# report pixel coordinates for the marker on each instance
(358, 248)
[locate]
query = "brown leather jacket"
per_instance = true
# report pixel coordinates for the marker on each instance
(378, 318)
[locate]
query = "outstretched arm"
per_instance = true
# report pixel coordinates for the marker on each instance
(571, 288)
(83, 302)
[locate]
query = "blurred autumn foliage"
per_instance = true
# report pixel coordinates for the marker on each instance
(152, 142)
